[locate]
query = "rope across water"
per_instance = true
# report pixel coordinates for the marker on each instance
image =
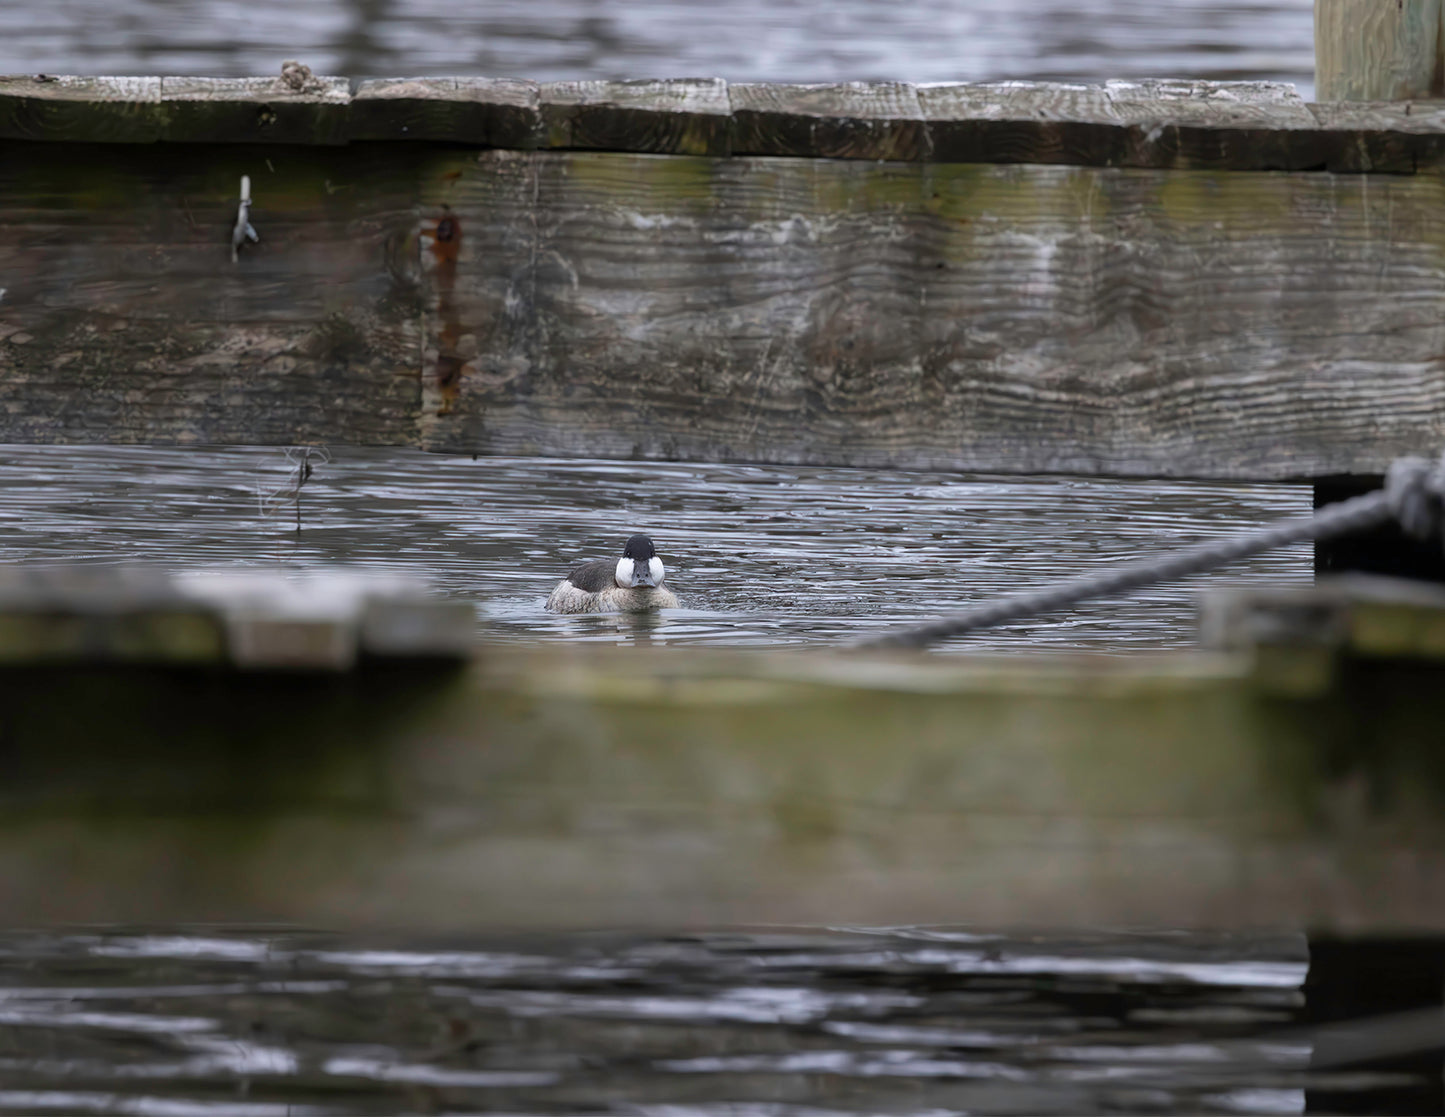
(1413, 496)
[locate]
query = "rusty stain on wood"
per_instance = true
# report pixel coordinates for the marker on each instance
(445, 366)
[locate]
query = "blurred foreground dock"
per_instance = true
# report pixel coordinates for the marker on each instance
(161, 765)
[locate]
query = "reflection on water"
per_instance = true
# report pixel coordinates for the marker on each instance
(757, 554)
(777, 1023)
(746, 40)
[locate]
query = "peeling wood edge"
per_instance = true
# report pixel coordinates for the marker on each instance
(1157, 124)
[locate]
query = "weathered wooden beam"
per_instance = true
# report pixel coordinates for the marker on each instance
(1152, 124)
(1295, 784)
(481, 112)
(925, 315)
(1366, 50)
(952, 316)
(217, 620)
(850, 120)
(664, 117)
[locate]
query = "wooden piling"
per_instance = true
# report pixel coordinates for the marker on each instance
(1378, 50)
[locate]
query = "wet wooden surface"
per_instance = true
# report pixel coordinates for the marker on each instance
(962, 316)
(124, 320)
(1156, 124)
(956, 316)
(1292, 779)
(1005, 277)
(1368, 51)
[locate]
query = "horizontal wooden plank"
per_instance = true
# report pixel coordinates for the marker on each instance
(592, 787)
(1151, 124)
(81, 110)
(486, 112)
(1030, 318)
(1393, 138)
(848, 120)
(296, 108)
(292, 109)
(681, 117)
(253, 620)
(1007, 317)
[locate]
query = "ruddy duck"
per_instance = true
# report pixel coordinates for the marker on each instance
(632, 585)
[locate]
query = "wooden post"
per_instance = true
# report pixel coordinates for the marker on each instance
(1367, 977)
(1378, 50)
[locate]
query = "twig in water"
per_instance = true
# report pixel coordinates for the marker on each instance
(302, 460)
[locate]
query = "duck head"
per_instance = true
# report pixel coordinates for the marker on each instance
(639, 565)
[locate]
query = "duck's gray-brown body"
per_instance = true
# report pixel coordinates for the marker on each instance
(592, 588)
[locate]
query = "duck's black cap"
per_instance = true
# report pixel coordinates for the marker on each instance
(638, 547)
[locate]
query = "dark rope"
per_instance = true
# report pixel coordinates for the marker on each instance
(1413, 496)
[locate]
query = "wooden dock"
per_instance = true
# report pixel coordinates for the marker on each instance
(161, 767)
(1141, 278)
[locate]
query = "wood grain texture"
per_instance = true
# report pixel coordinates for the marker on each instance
(124, 319)
(847, 120)
(1022, 122)
(255, 110)
(487, 112)
(682, 117)
(1152, 124)
(1156, 124)
(956, 316)
(1373, 50)
(1023, 318)
(81, 110)
(178, 110)
(1400, 138)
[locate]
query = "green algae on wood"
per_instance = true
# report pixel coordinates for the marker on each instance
(582, 786)
(1154, 123)
(944, 315)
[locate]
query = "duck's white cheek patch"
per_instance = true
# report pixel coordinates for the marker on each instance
(654, 567)
(624, 572)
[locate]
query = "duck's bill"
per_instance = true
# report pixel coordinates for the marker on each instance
(642, 578)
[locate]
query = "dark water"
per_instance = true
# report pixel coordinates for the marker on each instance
(774, 1023)
(745, 40)
(757, 555)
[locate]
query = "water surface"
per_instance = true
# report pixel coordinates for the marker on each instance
(745, 40)
(773, 1023)
(756, 554)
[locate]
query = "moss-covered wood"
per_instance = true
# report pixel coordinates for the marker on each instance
(124, 320)
(932, 315)
(1295, 783)
(247, 621)
(955, 316)
(1152, 124)
(665, 117)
